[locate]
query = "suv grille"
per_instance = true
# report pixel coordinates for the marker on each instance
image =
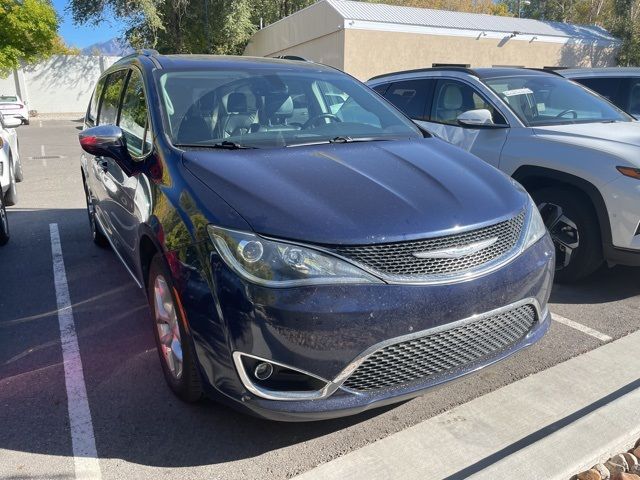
(397, 259)
(443, 351)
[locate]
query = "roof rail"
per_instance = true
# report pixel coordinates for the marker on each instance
(293, 57)
(147, 52)
(429, 69)
(552, 71)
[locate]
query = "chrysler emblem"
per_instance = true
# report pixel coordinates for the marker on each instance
(457, 252)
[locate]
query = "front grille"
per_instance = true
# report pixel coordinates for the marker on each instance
(442, 352)
(397, 259)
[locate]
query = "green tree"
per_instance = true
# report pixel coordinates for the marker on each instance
(28, 32)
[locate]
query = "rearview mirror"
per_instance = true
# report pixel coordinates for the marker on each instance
(12, 122)
(108, 141)
(480, 118)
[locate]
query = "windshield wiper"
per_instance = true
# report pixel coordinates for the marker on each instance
(341, 139)
(227, 145)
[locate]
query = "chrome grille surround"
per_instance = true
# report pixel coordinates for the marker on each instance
(396, 263)
(442, 351)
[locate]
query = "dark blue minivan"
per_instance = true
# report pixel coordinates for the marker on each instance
(307, 251)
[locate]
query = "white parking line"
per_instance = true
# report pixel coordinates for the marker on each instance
(83, 441)
(42, 154)
(40, 123)
(583, 328)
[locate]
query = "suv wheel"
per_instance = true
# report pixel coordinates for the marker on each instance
(575, 232)
(19, 174)
(172, 339)
(11, 195)
(4, 224)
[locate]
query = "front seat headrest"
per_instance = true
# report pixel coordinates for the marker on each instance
(278, 105)
(237, 103)
(452, 97)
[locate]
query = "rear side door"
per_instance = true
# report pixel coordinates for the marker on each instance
(451, 98)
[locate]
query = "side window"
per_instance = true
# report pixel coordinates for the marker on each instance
(411, 96)
(382, 89)
(453, 98)
(92, 113)
(609, 88)
(108, 111)
(133, 116)
(634, 98)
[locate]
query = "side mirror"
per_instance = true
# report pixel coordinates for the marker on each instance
(480, 118)
(12, 122)
(108, 141)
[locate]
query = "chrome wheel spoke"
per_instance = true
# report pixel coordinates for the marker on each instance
(168, 329)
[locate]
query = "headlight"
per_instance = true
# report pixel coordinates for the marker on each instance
(536, 228)
(279, 264)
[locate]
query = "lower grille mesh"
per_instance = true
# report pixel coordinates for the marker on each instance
(444, 351)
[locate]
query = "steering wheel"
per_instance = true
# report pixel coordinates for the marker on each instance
(568, 110)
(313, 120)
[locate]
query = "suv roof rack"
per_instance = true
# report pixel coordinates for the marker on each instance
(470, 71)
(552, 71)
(293, 57)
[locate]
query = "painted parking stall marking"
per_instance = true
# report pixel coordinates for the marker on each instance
(82, 435)
(582, 328)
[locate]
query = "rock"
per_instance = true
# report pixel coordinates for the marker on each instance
(589, 475)
(625, 476)
(615, 467)
(636, 452)
(632, 463)
(602, 470)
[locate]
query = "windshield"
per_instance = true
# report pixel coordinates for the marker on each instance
(275, 108)
(549, 100)
(7, 99)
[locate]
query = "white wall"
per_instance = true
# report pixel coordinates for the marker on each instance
(60, 84)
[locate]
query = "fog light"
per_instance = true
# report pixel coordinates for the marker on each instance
(263, 371)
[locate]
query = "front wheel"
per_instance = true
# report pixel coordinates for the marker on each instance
(4, 224)
(11, 195)
(177, 355)
(19, 173)
(574, 229)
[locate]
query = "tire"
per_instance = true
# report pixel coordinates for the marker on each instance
(575, 231)
(184, 380)
(26, 122)
(99, 238)
(4, 224)
(11, 195)
(19, 174)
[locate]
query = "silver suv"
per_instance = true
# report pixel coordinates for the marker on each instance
(577, 154)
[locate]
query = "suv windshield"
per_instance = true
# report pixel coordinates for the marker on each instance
(549, 100)
(275, 108)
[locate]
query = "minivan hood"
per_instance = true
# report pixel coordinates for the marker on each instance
(624, 133)
(358, 193)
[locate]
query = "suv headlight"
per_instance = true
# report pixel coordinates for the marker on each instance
(536, 228)
(279, 264)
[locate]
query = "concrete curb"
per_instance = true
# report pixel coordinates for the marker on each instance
(550, 425)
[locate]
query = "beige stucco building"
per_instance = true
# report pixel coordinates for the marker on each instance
(367, 39)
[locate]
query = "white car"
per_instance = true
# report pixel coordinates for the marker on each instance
(577, 154)
(12, 106)
(10, 165)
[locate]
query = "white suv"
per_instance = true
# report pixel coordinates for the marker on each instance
(576, 154)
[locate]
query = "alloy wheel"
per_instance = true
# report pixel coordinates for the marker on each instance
(564, 232)
(168, 329)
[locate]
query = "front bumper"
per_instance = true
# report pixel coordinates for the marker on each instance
(324, 329)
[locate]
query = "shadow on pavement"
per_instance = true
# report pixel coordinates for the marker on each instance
(605, 285)
(135, 416)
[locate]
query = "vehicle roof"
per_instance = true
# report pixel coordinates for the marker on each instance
(600, 72)
(230, 62)
(483, 73)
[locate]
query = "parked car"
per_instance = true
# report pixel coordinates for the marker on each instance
(309, 269)
(10, 164)
(13, 106)
(575, 153)
(4, 223)
(621, 86)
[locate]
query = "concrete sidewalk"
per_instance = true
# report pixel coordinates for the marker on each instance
(549, 426)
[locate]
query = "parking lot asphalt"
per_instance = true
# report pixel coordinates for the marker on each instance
(141, 430)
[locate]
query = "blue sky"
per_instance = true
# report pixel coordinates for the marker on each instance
(83, 36)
